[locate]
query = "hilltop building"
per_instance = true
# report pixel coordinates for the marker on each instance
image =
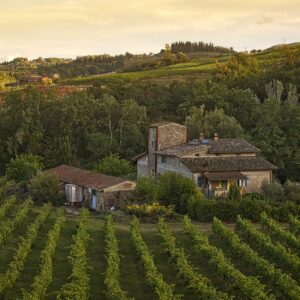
(214, 164)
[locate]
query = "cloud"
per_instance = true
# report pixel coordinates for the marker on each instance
(264, 20)
(78, 27)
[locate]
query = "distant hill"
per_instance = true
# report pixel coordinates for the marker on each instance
(185, 60)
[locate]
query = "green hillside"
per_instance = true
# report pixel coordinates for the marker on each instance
(199, 66)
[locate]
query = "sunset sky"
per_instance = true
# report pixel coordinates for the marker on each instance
(67, 28)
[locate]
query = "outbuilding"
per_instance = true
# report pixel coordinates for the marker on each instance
(94, 190)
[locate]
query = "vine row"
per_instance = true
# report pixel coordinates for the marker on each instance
(8, 226)
(278, 233)
(7, 205)
(163, 290)
(276, 251)
(79, 286)
(44, 277)
(201, 285)
(248, 286)
(280, 280)
(294, 225)
(112, 272)
(16, 266)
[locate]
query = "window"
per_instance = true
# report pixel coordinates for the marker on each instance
(247, 182)
(199, 181)
(224, 184)
(164, 159)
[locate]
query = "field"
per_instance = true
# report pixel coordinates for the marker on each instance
(194, 260)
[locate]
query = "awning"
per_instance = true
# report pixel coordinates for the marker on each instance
(211, 176)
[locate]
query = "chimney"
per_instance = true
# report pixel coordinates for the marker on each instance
(216, 137)
(201, 137)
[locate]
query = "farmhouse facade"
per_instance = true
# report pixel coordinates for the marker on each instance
(214, 164)
(96, 191)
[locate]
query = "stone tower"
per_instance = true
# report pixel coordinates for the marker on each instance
(163, 135)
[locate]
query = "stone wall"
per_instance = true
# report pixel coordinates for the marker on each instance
(162, 137)
(142, 167)
(171, 135)
(173, 164)
(256, 179)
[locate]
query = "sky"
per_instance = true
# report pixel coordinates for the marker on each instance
(70, 28)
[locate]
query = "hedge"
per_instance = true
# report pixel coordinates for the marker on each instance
(228, 210)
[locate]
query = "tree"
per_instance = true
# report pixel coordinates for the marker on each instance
(181, 57)
(239, 65)
(98, 146)
(21, 121)
(112, 114)
(46, 188)
(23, 168)
(210, 122)
(175, 189)
(146, 189)
(234, 192)
(115, 166)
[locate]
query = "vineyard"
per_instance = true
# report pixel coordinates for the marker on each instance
(46, 253)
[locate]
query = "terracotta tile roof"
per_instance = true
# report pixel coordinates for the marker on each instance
(85, 178)
(234, 146)
(224, 175)
(223, 164)
(231, 146)
(180, 149)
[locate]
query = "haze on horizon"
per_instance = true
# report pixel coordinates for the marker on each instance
(70, 28)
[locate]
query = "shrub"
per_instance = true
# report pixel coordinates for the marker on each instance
(251, 209)
(175, 189)
(205, 210)
(146, 189)
(154, 210)
(281, 211)
(292, 191)
(228, 210)
(46, 188)
(273, 191)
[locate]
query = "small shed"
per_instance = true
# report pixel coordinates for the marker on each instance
(94, 190)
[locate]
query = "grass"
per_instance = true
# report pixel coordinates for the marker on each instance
(197, 66)
(132, 273)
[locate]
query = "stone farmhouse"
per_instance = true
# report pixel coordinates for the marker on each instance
(94, 190)
(214, 164)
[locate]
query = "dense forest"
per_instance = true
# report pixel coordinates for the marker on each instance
(241, 99)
